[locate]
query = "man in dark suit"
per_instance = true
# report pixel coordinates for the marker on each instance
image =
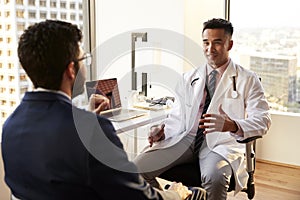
(53, 150)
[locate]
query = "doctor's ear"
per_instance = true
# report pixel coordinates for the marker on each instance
(230, 45)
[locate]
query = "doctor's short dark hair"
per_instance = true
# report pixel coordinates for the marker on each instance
(46, 48)
(218, 23)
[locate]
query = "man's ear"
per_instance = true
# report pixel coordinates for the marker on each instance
(230, 45)
(70, 71)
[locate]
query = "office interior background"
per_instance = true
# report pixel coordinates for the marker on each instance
(265, 41)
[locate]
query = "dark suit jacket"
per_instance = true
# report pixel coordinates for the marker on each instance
(53, 150)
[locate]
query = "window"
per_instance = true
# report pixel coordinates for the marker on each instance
(32, 14)
(3, 102)
(8, 40)
(63, 16)
(2, 89)
(72, 17)
(268, 43)
(22, 77)
(13, 79)
(8, 27)
(72, 5)
(12, 103)
(7, 13)
(63, 4)
(3, 114)
(21, 26)
(10, 65)
(43, 15)
(20, 2)
(31, 2)
(43, 3)
(20, 13)
(12, 90)
(53, 15)
(53, 4)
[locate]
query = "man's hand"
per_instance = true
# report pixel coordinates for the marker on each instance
(156, 134)
(182, 190)
(218, 122)
(98, 103)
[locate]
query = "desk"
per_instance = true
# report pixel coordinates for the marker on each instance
(133, 124)
(150, 117)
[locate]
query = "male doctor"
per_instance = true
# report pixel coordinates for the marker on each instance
(237, 110)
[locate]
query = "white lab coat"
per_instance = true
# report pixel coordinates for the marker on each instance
(249, 109)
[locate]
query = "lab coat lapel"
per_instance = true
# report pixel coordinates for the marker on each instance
(197, 89)
(222, 87)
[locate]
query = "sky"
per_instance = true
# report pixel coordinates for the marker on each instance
(262, 13)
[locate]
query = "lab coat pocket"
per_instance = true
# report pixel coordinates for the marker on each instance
(234, 108)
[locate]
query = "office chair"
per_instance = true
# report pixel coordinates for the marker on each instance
(189, 174)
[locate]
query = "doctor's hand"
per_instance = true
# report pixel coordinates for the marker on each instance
(156, 134)
(218, 122)
(98, 103)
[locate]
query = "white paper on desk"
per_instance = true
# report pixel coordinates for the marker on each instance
(147, 106)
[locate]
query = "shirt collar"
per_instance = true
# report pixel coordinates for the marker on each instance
(39, 89)
(220, 70)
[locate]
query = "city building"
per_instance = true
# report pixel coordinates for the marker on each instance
(278, 74)
(15, 17)
(298, 86)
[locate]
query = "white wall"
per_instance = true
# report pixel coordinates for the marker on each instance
(173, 46)
(281, 144)
(164, 23)
(197, 12)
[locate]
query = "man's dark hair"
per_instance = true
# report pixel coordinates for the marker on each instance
(218, 23)
(45, 50)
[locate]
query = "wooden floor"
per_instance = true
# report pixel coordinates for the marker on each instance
(274, 182)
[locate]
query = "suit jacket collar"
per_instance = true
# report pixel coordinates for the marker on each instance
(45, 96)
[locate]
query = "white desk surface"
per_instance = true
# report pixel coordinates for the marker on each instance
(150, 117)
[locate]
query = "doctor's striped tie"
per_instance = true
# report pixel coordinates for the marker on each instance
(210, 90)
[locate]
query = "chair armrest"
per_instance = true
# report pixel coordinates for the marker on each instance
(249, 139)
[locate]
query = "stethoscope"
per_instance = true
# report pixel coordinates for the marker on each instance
(234, 93)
